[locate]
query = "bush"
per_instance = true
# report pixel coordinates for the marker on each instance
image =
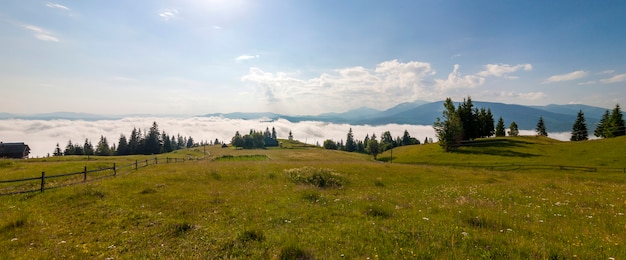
(321, 178)
(294, 252)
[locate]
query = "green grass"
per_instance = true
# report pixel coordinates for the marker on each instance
(273, 209)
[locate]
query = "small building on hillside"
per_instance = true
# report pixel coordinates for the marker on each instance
(14, 150)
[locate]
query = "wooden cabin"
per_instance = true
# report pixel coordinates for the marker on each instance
(14, 150)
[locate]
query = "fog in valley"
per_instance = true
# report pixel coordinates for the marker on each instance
(43, 135)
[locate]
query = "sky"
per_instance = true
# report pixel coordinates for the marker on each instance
(194, 57)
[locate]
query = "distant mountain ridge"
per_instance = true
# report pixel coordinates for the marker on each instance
(557, 118)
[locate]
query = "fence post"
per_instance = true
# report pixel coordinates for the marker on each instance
(156, 160)
(43, 180)
(85, 174)
(114, 170)
(136, 165)
(147, 162)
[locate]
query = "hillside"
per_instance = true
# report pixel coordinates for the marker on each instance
(311, 203)
(522, 150)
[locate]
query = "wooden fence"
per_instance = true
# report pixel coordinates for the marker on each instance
(41, 183)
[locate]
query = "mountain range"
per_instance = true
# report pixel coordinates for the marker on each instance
(557, 118)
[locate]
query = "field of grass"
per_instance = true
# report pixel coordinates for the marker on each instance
(304, 202)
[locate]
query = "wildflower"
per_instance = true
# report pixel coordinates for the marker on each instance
(465, 234)
(425, 218)
(14, 239)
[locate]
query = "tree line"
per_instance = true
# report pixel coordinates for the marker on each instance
(371, 145)
(152, 141)
(256, 139)
(467, 123)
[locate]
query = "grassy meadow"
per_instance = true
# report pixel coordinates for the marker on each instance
(302, 202)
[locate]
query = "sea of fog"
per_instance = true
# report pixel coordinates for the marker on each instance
(43, 135)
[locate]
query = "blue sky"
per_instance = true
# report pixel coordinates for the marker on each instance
(195, 57)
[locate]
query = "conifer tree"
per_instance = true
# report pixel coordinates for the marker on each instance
(541, 127)
(350, 144)
(579, 129)
(103, 148)
(600, 128)
(57, 151)
(123, 147)
(449, 130)
(500, 128)
(513, 130)
(616, 125)
(88, 148)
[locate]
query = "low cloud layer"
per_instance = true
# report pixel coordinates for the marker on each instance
(43, 135)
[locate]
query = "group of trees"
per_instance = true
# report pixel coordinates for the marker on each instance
(500, 131)
(463, 123)
(611, 124)
(152, 142)
(467, 123)
(371, 145)
(256, 139)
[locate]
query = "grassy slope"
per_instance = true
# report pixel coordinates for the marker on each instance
(252, 209)
(528, 150)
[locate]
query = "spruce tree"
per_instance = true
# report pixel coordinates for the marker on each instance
(616, 123)
(500, 128)
(449, 129)
(600, 128)
(123, 147)
(88, 147)
(350, 144)
(579, 129)
(513, 130)
(541, 127)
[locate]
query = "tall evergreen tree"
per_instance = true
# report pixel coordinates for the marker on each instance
(541, 127)
(273, 134)
(406, 138)
(57, 151)
(513, 130)
(88, 147)
(69, 148)
(616, 125)
(468, 118)
(600, 128)
(579, 129)
(167, 143)
(103, 148)
(500, 128)
(449, 130)
(350, 144)
(123, 148)
(153, 140)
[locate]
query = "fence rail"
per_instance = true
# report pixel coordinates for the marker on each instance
(42, 183)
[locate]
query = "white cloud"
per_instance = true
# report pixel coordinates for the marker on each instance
(456, 80)
(607, 72)
(168, 14)
(591, 82)
(614, 79)
(217, 27)
(566, 77)
(40, 33)
(57, 6)
(247, 57)
(528, 95)
(389, 83)
(501, 70)
(43, 135)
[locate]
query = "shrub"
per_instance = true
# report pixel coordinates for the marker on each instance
(321, 178)
(294, 252)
